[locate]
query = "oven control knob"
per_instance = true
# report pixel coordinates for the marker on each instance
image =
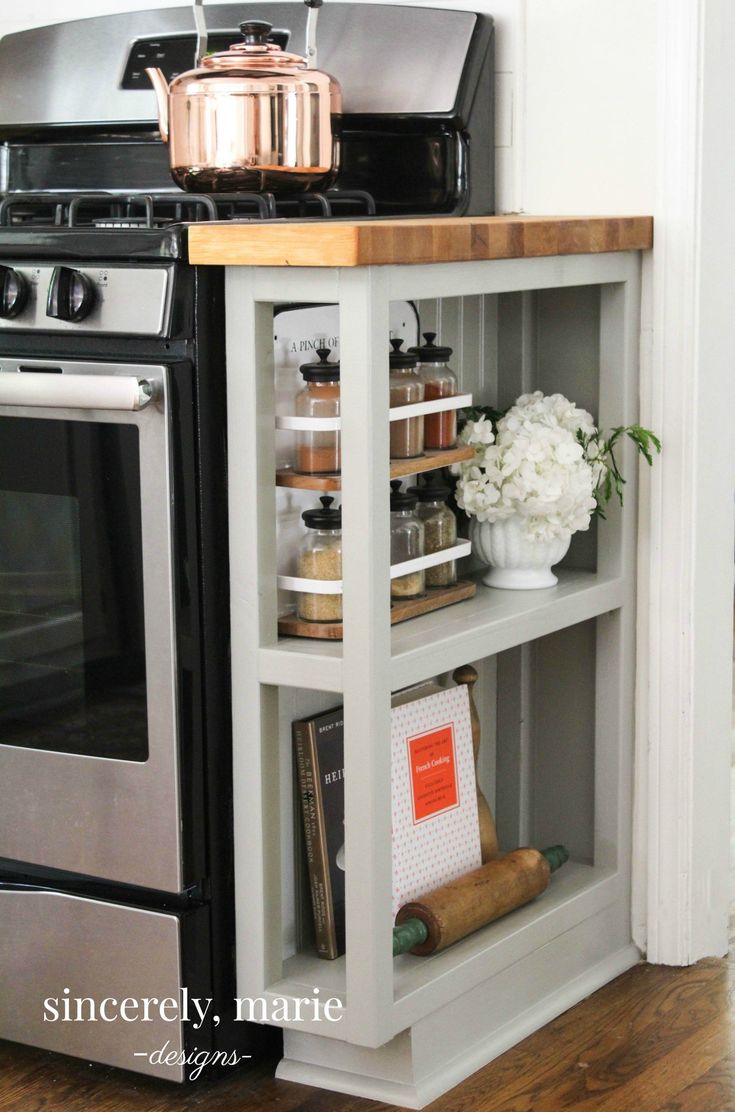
(13, 292)
(71, 294)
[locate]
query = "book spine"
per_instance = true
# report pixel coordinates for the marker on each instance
(315, 839)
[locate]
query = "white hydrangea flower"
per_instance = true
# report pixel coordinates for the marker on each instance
(544, 463)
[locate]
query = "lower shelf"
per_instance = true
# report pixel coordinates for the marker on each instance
(422, 985)
(421, 1064)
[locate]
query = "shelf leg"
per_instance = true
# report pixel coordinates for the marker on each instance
(364, 331)
(251, 463)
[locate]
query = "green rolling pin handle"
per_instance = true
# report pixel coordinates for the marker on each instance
(407, 935)
(556, 856)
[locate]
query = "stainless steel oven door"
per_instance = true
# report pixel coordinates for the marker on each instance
(89, 759)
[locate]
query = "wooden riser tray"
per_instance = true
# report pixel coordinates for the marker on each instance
(399, 468)
(434, 599)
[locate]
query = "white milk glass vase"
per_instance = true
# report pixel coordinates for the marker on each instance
(517, 561)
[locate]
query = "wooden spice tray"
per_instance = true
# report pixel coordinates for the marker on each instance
(434, 599)
(399, 468)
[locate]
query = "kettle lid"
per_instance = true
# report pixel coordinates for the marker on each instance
(254, 51)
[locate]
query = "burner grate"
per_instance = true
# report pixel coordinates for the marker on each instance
(160, 210)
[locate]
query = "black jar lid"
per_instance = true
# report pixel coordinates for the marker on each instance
(400, 358)
(431, 352)
(401, 499)
(432, 490)
(323, 371)
(323, 517)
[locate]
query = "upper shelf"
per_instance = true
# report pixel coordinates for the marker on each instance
(421, 240)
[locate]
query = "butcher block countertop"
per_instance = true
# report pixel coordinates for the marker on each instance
(420, 240)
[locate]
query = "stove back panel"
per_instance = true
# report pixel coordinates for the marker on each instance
(388, 58)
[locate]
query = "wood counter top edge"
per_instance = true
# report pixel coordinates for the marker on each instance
(418, 240)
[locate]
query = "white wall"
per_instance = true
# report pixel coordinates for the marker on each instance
(590, 104)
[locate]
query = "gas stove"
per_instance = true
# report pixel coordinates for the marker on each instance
(116, 854)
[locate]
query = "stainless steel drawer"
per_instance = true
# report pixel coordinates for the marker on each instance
(51, 942)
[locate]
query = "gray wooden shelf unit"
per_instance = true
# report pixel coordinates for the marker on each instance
(556, 690)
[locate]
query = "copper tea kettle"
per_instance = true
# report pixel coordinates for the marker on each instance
(252, 118)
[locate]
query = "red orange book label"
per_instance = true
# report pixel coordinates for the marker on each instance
(433, 772)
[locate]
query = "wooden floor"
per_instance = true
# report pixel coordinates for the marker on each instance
(655, 1040)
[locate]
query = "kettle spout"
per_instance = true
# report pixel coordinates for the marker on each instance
(160, 87)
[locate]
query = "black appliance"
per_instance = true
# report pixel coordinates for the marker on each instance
(116, 876)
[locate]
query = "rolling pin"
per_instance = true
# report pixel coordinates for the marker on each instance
(436, 920)
(467, 675)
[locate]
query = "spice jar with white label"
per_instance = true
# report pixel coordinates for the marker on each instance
(440, 381)
(406, 388)
(440, 529)
(320, 557)
(318, 450)
(406, 542)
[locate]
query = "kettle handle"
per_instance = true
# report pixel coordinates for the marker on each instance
(200, 23)
(313, 6)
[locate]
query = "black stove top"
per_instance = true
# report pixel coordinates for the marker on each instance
(152, 224)
(161, 210)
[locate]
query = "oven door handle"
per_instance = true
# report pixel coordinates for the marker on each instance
(68, 391)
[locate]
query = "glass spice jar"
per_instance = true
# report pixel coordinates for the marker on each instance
(440, 381)
(318, 451)
(440, 529)
(320, 557)
(406, 388)
(406, 542)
